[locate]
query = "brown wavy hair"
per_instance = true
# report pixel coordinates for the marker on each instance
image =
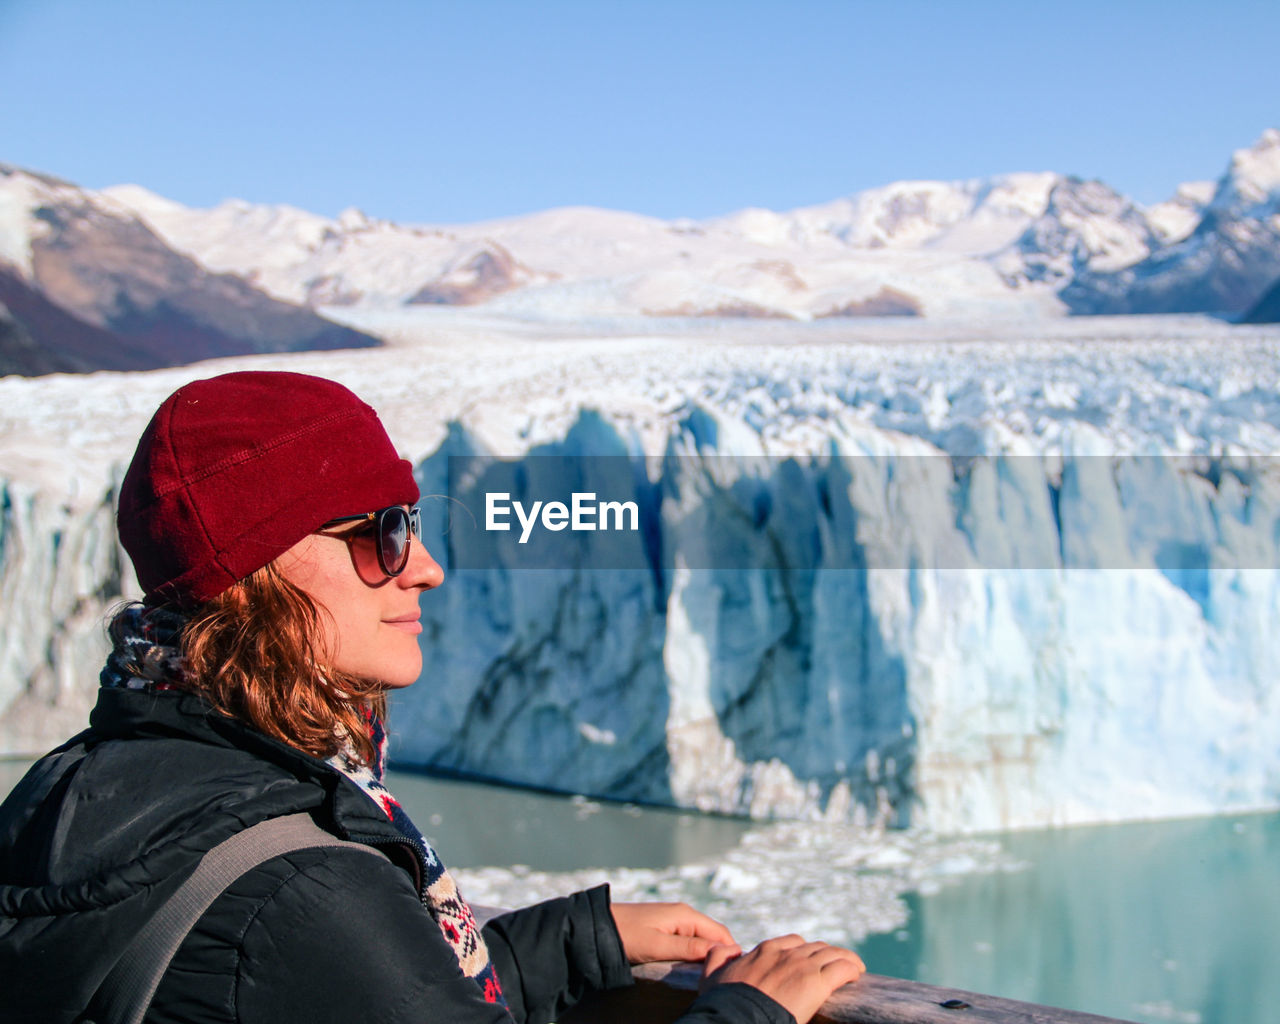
(255, 652)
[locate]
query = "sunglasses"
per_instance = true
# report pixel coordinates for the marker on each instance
(390, 528)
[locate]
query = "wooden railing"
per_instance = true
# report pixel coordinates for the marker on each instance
(663, 991)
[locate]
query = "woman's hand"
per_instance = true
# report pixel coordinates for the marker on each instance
(668, 931)
(797, 974)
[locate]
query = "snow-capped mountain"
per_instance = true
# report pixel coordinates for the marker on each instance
(1085, 226)
(91, 263)
(1009, 245)
(1003, 244)
(1176, 218)
(1223, 266)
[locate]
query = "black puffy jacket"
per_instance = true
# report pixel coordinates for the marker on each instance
(101, 831)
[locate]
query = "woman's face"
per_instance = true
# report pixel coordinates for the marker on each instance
(372, 627)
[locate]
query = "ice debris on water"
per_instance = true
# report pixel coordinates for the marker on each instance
(838, 883)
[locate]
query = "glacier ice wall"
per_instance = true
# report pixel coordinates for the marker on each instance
(61, 569)
(878, 632)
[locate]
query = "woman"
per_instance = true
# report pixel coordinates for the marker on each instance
(270, 523)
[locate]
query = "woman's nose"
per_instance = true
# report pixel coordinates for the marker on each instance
(423, 570)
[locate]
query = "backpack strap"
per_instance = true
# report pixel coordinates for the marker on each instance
(125, 994)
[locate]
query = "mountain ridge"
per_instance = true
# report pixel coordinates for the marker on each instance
(1024, 244)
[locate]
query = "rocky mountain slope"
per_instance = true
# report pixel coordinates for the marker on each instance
(37, 336)
(1223, 266)
(1267, 309)
(91, 286)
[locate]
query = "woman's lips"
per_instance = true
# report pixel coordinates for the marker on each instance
(405, 623)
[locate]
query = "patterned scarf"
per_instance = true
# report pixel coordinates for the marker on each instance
(146, 655)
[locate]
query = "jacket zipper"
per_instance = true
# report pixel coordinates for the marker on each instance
(419, 863)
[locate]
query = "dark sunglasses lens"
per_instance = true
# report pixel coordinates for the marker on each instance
(393, 540)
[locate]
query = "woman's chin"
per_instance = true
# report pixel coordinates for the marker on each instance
(406, 676)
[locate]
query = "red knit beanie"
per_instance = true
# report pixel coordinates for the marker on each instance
(233, 471)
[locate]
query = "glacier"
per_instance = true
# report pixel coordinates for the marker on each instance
(958, 641)
(908, 574)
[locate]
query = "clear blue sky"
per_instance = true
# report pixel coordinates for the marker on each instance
(445, 112)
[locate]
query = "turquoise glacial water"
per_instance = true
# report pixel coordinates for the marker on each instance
(1173, 921)
(1152, 922)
